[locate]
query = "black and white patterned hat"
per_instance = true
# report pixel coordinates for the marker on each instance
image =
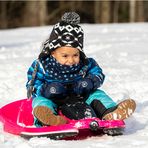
(67, 32)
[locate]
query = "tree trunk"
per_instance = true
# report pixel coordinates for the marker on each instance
(105, 11)
(96, 11)
(132, 10)
(116, 11)
(42, 12)
(35, 13)
(140, 11)
(79, 4)
(72, 5)
(3, 15)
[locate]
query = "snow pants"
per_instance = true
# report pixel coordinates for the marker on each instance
(96, 95)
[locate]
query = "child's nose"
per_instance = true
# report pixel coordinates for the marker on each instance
(71, 61)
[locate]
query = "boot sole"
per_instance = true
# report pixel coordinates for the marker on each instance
(46, 116)
(123, 111)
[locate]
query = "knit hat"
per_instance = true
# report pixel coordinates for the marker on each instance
(66, 32)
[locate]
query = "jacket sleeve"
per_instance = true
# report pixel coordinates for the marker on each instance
(39, 78)
(95, 73)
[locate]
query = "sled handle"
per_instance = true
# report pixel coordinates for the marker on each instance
(31, 82)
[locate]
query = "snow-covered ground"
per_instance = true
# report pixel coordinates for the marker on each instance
(122, 52)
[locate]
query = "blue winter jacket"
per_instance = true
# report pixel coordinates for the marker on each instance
(91, 70)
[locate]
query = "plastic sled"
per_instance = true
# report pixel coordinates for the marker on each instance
(17, 119)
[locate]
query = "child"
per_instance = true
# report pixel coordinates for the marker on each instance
(63, 75)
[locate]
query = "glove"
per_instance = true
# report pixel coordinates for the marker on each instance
(55, 89)
(97, 80)
(82, 86)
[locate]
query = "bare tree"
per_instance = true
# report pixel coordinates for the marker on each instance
(42, 12)
(132, 10)
(96, 11)
(116, 11)
(35, 13)
(105, 11)
(79, 4)
(3, 15)
(140, 11)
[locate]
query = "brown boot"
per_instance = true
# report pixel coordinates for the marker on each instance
(123, 110)
(46, 116)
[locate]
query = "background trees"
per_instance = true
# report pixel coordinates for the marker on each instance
(42, 12)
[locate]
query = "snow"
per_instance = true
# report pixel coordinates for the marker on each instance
(122, 52)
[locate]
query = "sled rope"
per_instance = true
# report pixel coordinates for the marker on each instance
(31, 88)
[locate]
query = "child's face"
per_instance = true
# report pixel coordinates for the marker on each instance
(66, 55)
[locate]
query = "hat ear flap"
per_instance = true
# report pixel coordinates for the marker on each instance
(44, 54)
(45, 50)
(83, 58)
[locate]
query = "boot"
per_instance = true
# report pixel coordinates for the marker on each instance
(123, 111)
(78, 110)
(100, 109)
(47, 117)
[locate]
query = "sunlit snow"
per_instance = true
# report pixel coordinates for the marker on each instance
(122, 52)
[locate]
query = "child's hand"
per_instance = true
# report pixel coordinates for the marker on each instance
(54, 89)
(84, 85)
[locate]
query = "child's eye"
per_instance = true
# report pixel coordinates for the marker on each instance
(65, 56)
(76, 55)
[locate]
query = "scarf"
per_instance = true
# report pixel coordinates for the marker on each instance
(62, 73)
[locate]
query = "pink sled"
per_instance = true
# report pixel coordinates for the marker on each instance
(17, 119)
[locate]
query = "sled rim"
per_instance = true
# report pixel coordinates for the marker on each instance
(49, 132)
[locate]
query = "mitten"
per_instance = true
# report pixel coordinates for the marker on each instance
(97, 80)
(84, 85)
(55, 89)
